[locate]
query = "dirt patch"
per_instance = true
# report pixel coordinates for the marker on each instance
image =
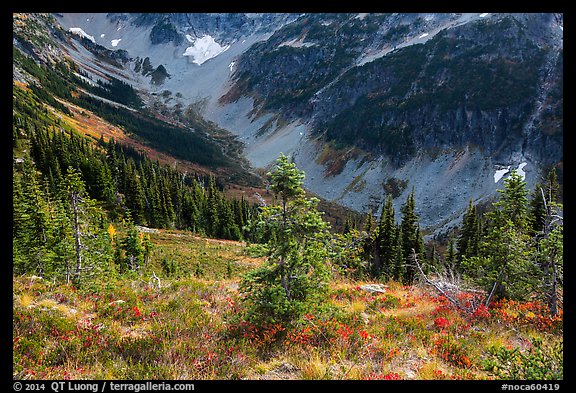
(284, 371)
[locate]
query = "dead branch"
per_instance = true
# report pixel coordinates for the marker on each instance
(440, 290)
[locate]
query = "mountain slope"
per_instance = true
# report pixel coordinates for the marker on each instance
(367, 104)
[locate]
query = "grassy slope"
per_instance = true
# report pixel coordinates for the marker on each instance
(188, 329)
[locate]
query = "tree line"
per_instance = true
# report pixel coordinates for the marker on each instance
(68, 190)
(514, 250)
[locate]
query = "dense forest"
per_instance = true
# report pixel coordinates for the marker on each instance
(68, 189)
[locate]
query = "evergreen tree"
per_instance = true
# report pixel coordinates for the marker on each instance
(399, 260)
(504, 266)
(295, 271)
(386, 238)
(547, 229)
(74, 192)
(451, 257)
(32, 224)
(467, 243)
(410, 235)
(368, 226)
(135, 200)
(546, 190)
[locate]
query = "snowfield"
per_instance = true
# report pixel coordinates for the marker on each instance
(500, 172)
(520, 170)
(204, 49)
(81, 33)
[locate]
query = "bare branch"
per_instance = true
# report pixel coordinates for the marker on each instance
(157, 278)
(437, 287)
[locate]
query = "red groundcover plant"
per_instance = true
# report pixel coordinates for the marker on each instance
(441, 322)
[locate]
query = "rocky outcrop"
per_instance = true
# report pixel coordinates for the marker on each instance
(473, 84)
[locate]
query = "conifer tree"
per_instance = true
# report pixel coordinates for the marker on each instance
(134, 194)
(547, 229)
(410, 235)
(545, 190)
(399, 261)
(451, 257)
(467, 242)
(31, 223)
(504, 266)
(91, 251)
(386, 238)
(295, 271)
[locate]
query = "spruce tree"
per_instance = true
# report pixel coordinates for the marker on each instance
(387, 238)
(545, 190)
(295, 271)
(399, 260)
(91, 243)
(504, 266)
(410, 235)
(467, 243)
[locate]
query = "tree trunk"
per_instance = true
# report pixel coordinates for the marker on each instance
(77, 239)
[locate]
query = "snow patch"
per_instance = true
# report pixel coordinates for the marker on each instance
(231, 66)
(81, 33)
(115, 42)
(190, 38)
(423, 35)
(501, 172)
(361, 15)
(520, 170)
(297, 43)
(484, 15)
(102, 35)
(204, 49)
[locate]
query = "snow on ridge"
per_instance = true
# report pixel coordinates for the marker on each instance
(204, 49)
(423, 35)
(484, 15)
(115, 42)
(81, 33)
(361, 15)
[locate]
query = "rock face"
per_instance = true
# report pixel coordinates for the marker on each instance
(472, 84)
(367, 104)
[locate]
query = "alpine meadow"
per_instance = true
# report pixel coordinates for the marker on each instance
(279, 196)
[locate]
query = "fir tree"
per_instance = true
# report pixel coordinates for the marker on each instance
(295, 271)
(410, 235)
(504, 265)
(467, 243)
(386, 238)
